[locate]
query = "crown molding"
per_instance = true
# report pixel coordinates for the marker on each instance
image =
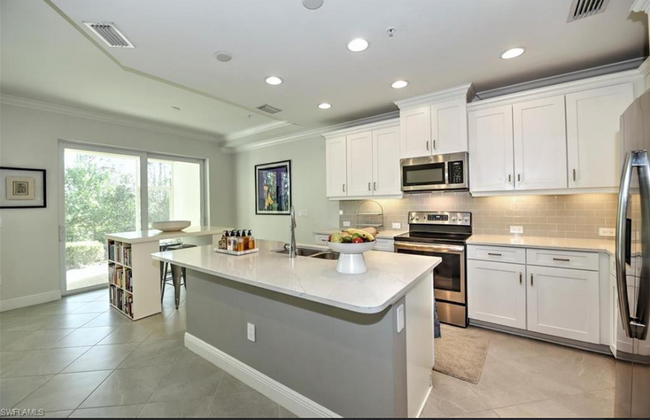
(464, 91)
(641, 6)
(559, 89)
(364, 127)
(256, 130)
(307, 134)
(105, 117)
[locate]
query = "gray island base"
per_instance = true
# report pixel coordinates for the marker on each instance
(314, 356)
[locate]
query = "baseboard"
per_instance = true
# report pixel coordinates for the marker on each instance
(21, 302)
(287, 397)
(424, 402)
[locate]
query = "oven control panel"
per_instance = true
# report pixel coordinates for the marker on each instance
(440, 218)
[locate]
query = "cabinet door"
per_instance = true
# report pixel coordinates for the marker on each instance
(415, 132)
(449, 127)
(359, 164)
(593, 135)
(564, 303)
(385, 149)
(497, 293)
(336, 166)
(491, 149)
(540, 144)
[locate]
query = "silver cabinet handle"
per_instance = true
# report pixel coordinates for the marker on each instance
(494, 254)
(574, 174)
(374, 186)
(531, 279)
(434, 144)
(369, 186)
(343, 187)
(521, 277)
(561, 259)
(509, 178)
(427, 144)
(518, 177)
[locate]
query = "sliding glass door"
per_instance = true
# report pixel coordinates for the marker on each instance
(106, 190)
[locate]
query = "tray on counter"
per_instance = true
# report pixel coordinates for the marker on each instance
(225, 251)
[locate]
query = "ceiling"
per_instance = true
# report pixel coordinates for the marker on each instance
(437, 44)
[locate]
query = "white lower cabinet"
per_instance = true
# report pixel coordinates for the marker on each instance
(564, 303)
(497, 293)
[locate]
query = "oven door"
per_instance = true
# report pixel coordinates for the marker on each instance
(449, 275)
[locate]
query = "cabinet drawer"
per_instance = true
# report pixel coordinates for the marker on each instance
(321, 239)
(496, 253)
(563, 259)
(386, 245)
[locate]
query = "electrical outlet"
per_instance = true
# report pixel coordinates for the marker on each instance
(303, 213)
(250, 332)
(607, 232)
(397, 225)
(340, 212)
(400, 318)
(516, 229)
(346, 223)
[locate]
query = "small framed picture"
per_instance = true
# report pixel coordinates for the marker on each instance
(273, 188)
(22, 188)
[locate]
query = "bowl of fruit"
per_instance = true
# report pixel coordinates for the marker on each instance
(351, 244)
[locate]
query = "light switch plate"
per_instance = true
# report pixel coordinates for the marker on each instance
(250, 331)
(400, 318)
(516, 229)
(340, 212)
(303, 213)
(346, 223)
(607, 232)
(397, 225)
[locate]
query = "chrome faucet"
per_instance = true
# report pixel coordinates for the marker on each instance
(292, 246)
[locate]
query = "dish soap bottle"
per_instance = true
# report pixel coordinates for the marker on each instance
(251, 240)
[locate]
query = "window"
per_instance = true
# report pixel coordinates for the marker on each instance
(174, 191)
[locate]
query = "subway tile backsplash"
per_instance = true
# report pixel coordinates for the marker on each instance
(561, 216)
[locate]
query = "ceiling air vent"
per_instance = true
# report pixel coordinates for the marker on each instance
(108, 33)
(269, 109)
(585, 8)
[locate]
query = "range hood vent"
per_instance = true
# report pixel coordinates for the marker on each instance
(108, 33)
(585, 8)
(269, 109)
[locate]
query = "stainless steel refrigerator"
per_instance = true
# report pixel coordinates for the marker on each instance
(631, 294)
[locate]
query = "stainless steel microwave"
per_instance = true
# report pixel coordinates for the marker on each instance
(435, 173)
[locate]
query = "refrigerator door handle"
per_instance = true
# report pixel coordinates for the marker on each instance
(640, 323)
(621, 226)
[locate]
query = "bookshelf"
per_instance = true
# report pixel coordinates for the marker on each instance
(134, 277)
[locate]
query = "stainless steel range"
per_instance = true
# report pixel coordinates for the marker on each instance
(442, 234)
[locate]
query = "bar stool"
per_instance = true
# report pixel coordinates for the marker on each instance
(178, 273)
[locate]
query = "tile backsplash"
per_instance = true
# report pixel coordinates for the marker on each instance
(561, 216)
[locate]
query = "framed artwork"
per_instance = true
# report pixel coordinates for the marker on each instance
(22, 188)
(273, 188)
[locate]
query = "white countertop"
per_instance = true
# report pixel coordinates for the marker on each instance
(591, 245)
(383, 234)
(389, 277)
(140, 236)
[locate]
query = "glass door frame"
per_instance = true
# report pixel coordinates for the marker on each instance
(144, 194)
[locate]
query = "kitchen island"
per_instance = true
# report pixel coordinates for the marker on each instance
(318, 342)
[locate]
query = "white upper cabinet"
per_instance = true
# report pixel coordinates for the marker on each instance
(363, 162)
(540, 144)
(415, 127)
(491, 149)
(449, 127)
(593, 136)
(359, 164)
(336, 167)
(385, 149)
(434, 123)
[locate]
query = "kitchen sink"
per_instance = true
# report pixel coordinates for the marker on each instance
(327, 255)
(311, 253)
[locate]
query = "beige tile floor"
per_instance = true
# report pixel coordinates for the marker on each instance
(77, 357)
(528, 378)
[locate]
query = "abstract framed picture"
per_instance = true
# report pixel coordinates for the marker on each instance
(22, 188)
(273, 188)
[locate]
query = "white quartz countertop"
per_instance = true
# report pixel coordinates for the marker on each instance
(383, 234)
(389, 277)
(591, 245)
(139, 236)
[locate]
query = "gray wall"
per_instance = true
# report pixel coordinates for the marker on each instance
(352, 364)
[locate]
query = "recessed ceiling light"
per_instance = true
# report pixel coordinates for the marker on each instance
(513, 53)
(273, 80)
(324, 105)
(312, 4)
(358, 45)
(222, 56)
(175, 108)
(398, 84)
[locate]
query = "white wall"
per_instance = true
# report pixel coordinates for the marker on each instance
(29, 237)
(308, 190)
